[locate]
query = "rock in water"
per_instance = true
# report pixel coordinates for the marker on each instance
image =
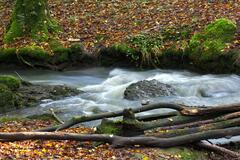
(148, 89)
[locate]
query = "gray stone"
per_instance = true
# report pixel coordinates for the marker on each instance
(148, 89)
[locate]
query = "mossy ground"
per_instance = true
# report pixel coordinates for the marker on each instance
(205, 51)
(35, 56)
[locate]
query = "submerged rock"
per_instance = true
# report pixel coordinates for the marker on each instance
(148, 89)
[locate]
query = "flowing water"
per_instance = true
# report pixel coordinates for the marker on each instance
(103, 89)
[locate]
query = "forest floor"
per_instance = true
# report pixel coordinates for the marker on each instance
(66, 150)
(97, 22)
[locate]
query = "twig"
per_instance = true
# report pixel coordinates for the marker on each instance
(55, 116)
(18, 75)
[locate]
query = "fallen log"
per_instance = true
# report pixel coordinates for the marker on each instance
(183, 110)
(118, 141)
(199, 123)
(210, 126)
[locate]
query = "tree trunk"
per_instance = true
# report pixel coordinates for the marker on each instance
(30, 18)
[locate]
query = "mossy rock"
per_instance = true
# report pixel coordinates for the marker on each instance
(209, 44)
(11, 82)
(7, 100)
(223, 29)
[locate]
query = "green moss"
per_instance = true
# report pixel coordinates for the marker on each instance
(7, 100)
(30, 17)
(8, 55)
(61, 55)
(222, 29)
(77, 48)
(124, 48)
(109, 127)
(10, 119)
(209, 44)
(33, 53)
(42, 117)
(11, 82)
(118, 54)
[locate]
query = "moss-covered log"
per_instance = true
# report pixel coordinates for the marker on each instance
(30, 18)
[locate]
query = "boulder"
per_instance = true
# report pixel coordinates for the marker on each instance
(148, 89)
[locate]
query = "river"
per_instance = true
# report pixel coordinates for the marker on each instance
(103, 89)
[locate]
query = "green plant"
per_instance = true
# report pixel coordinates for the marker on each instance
(123, 48)
(148, 45)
